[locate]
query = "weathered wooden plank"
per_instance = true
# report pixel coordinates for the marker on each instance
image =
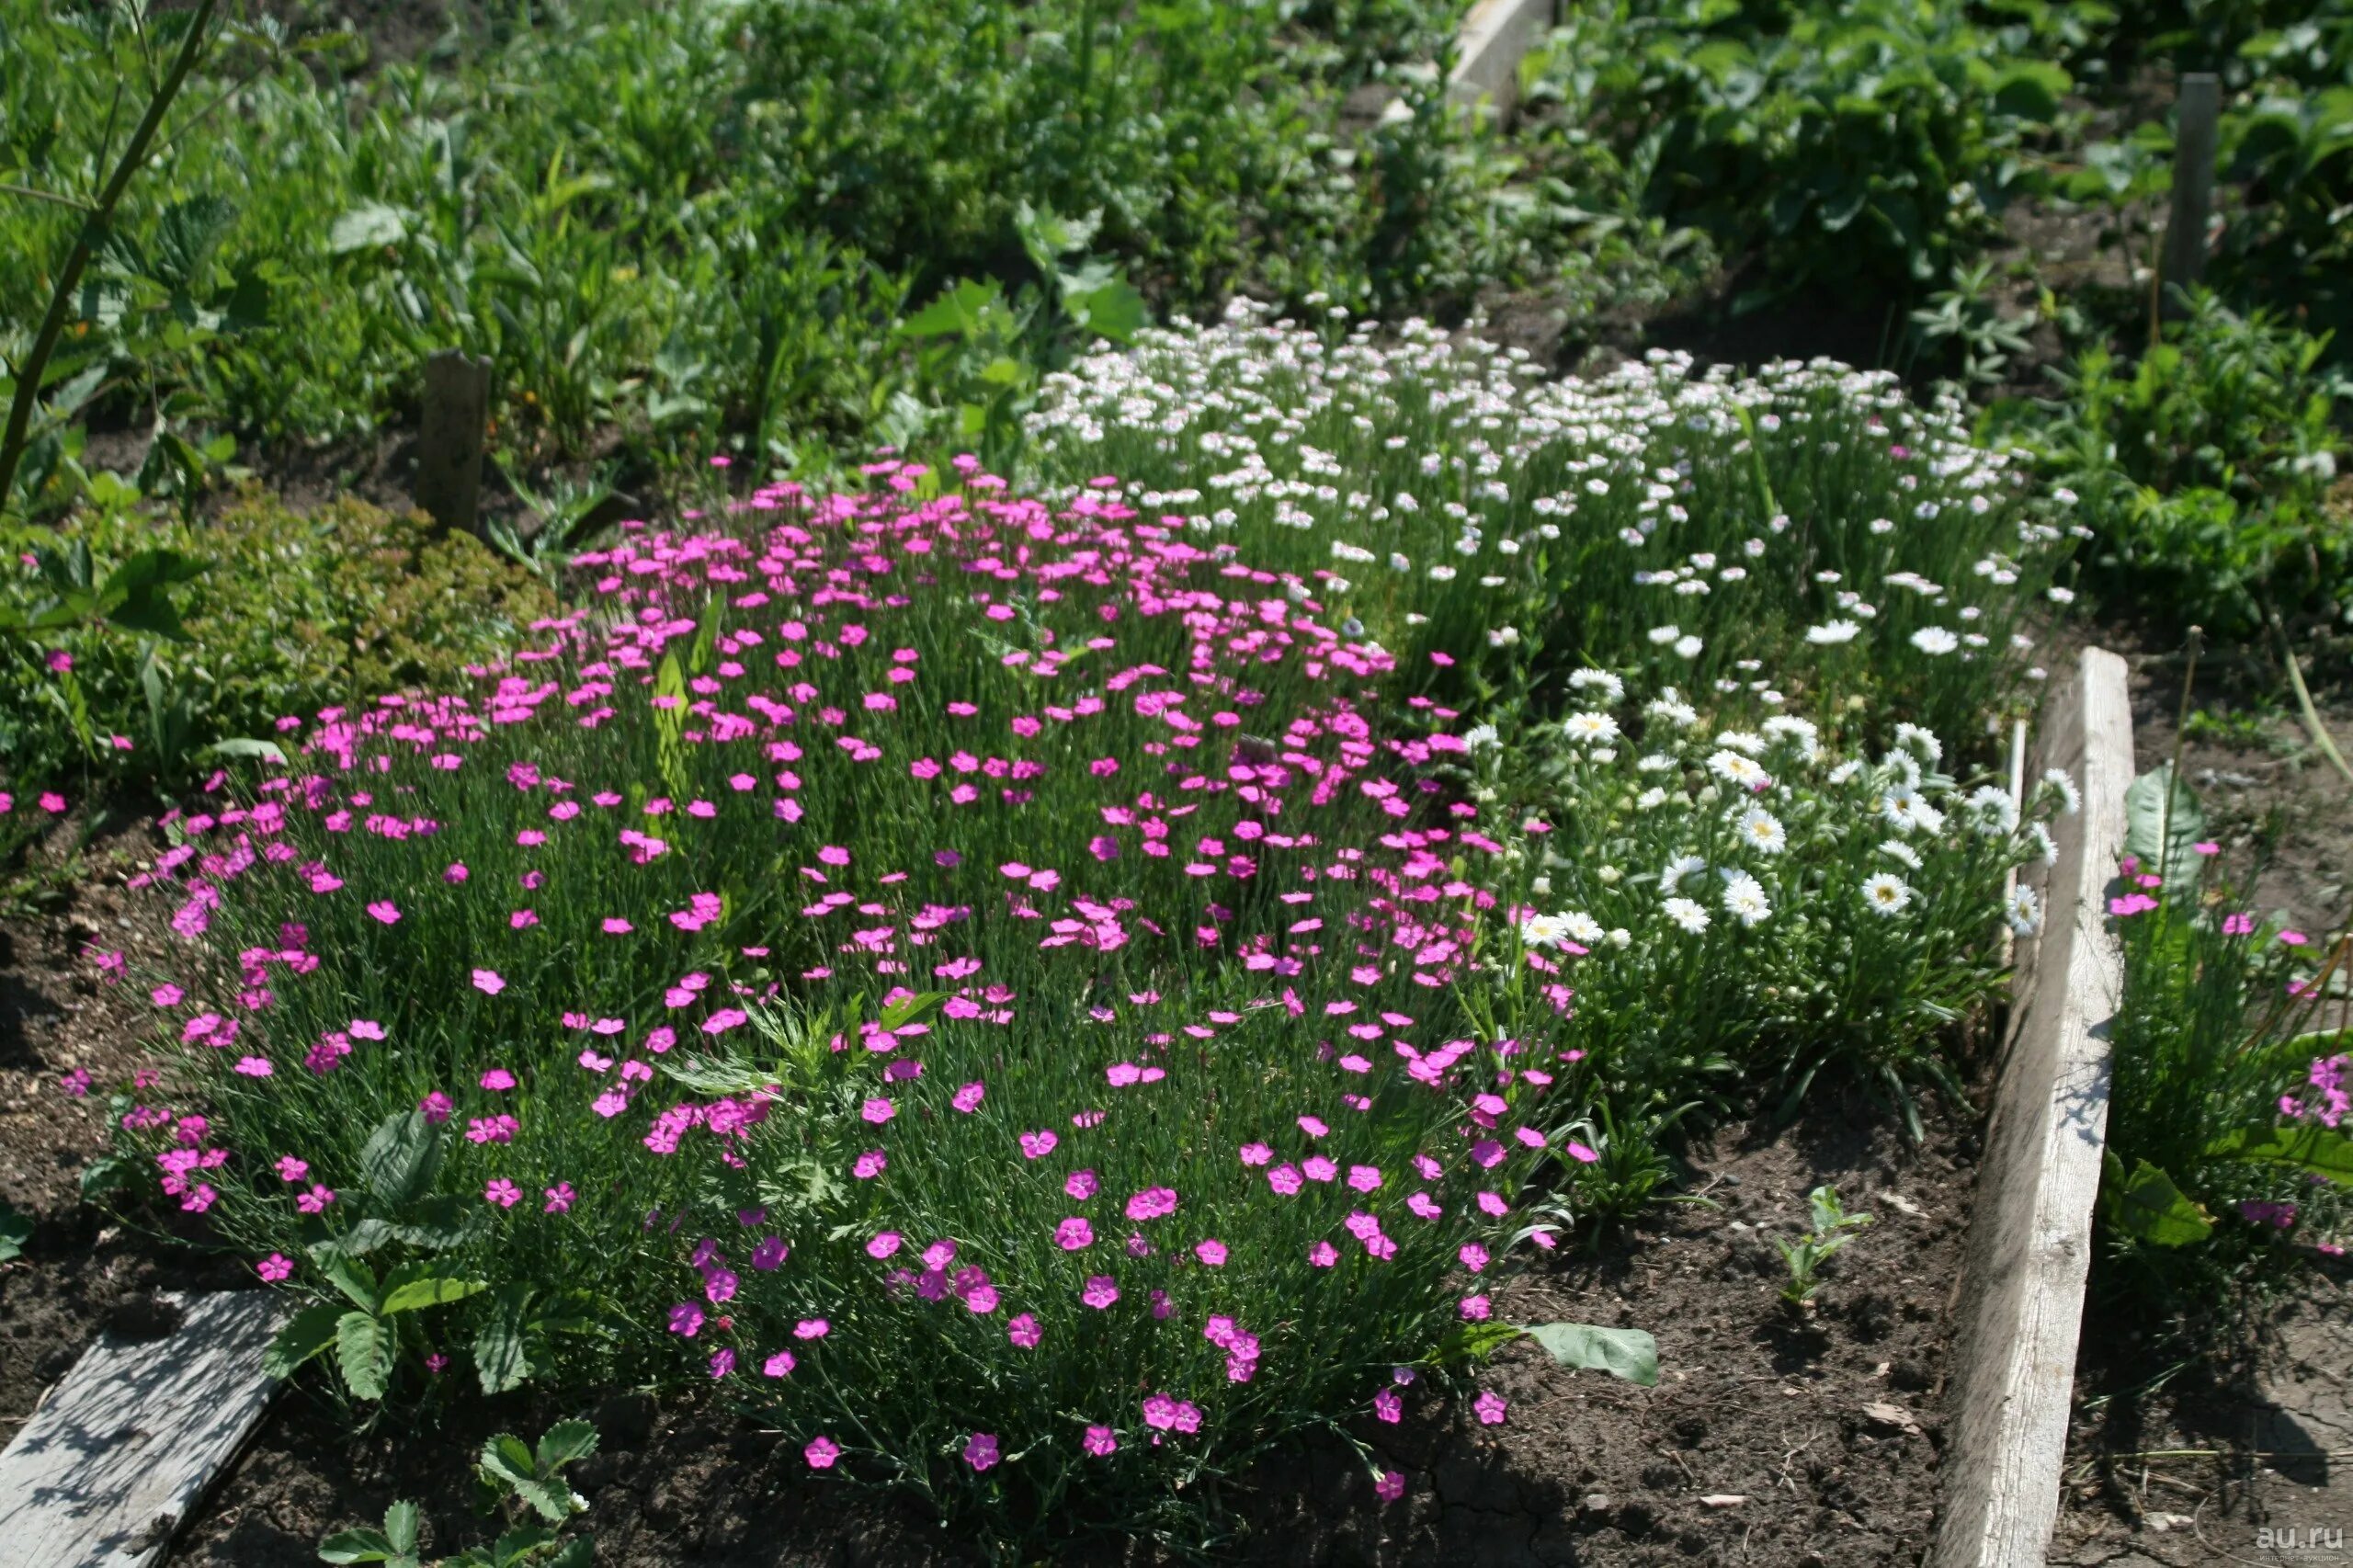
(1493, 38)
(2030, 1244)
(109, 1468)
(449, 438)
(2198, 116)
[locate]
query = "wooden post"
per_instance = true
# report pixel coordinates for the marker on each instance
(2030, 1235)
(2184, 262)
(449, 446)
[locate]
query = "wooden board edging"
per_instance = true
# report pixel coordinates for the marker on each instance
(119, 1454)
(1495, 37)
(2030, 1241)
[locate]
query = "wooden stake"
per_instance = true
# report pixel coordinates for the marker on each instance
(449, 446)
(2198, 110)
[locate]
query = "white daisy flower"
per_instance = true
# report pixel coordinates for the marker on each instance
(1761, 830)
(1688, 914)
(1688, 647)
(2071, 799)
(1887, 893)
(1657, 762)
(1543, 931)
(1592, 728)
(1735, 768)
(1935, 641)
(2045, 845)
(1651, 798)
(1479, 737)
(1996, 812)
(1830, 633)
(1612, 688)
(1742, 741)
(1897, 849)
(1845, 771)
(1672, 710)
(1922, 740)
(2026, 912)
(1621, 938)
(1582, 927)
(1745, 898)
(1682, 866)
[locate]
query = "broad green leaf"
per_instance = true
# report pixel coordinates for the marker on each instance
(521, 1544)
(565, 1442)
(2148, 1207)
(354, 1279)
(550, 1497)
(508, 1459)
(502, 1359)
(2158, 840)
(955, 313)
(16, 1230)
(400, 1527)
(107, 1172)
(433, 1291)
(1475, 1341)
(363, 1237)
(357, 1545)
(402, 1157)
(1628, 1353)
(267, 751)
(2308, 1147)
(306, 1334)
(363, 1345)
(580, 1551)
(1114, 310)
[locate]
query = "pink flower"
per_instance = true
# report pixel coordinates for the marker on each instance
(498, 1080)
(770, 1254)
(315, 1201)
(1580, 1154)
(616, 926)
(1474, 1256)
(812, 1328)
(1038, 1145)
(60, 660)
(1024, 1331)
(968, 1099)
(385, 910)
(503, 1193)
(1389, 1485)
(1210, 1252)
(1100, 1291)
(834, 855)
(723, 1362)
(2237, 925)
(878, 1111)
(686, 1319)
(1489, 1407)
(437, 1108)
(1074, 1235)
(779, 1364)
(885, 1244)
(560, 1199)
(273, 1267)
(2207, 848)
(488, 981)
(980, 1450)
(166, 995)
(290, 1169)
(455, 873)
(1322, 1255)
(822, 1452)
(1476, 1309)
(1100, 1441)
(1389, 1406)
(255, 1066)
(869, 1164)
(1151, 1203)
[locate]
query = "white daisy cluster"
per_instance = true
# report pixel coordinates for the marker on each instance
(1436, 479)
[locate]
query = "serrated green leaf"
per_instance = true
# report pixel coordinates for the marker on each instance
(508, 1459)
(521, 1544)
(580, 1551)
(565, 1442)
(16, 1230)
(306, 1334)
(433, 1291)
(354, 1279)
(363, 1345)
(401, 1526)
(2148, 1207)
(502, 1358)
(357, 1545)
(402, 1157)
(1628, 1353)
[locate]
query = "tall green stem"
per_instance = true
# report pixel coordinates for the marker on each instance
(85, 243)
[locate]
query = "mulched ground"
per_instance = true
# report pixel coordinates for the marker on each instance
(1771, 1438)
